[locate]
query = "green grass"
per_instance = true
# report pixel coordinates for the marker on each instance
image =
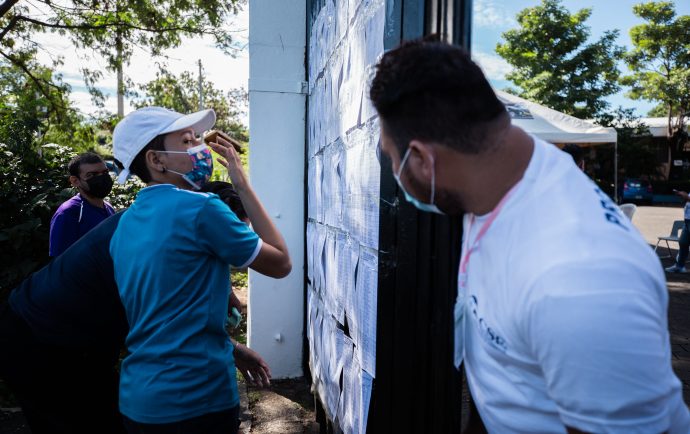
(239, 279)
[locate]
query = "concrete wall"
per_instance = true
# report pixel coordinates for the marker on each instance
(277, 139)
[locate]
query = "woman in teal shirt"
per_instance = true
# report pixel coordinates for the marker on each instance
(171, 253)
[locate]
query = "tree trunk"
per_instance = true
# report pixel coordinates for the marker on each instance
(675, 172)
(120, 81)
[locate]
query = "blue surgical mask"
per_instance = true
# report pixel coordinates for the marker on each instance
(202, 168)
(427, 207)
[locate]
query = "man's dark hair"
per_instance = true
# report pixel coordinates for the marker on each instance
(575, 151)
(85, 158)
(138, 166)
(227, 194)
(432, 91)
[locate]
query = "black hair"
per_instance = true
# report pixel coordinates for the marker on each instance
(227, 194)
(433, 91)
(86, 158)
(575, 151)
(138, 166)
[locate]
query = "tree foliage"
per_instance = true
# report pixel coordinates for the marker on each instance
(33, 169)
(636, 149)
(555, 65)
(27, 117)
(181, 93)
(660, 65)
(659, 111)
(111, 28)
(31, 184)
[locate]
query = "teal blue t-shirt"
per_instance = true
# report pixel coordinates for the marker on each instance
(170, 254)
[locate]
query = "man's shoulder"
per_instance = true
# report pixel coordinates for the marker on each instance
(98, 237)
(70, 205)
(68, 210)
(109, 224)
(562, 198)
(598, 235)
(109, 207)
(581, 225)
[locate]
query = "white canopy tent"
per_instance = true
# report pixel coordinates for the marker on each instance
(558, 128)
(658, 126)
(553, 126)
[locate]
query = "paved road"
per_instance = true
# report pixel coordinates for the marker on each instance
(653, 222)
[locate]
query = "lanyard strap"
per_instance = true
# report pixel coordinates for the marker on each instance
(467, 251)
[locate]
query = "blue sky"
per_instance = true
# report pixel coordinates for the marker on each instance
(493, 17)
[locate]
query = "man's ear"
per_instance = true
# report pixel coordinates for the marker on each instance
(153, 162)
(421, 158)
(74, 181)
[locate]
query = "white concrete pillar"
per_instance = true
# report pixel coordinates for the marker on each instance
(277, 40)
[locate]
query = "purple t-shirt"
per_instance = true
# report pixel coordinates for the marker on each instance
(72, 220)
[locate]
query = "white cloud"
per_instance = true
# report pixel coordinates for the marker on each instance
(494, 66)
(487, 14)
(82, 101)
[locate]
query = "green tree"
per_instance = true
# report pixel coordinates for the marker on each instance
(181, 93)
(32, 185)
(27, 117)
(636, 149)
(660, 65)
(553, 63)
(111, 29)
(33, 169)
(659, 111)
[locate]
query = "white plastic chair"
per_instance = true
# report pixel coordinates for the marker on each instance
(674, 237)
(628, 210)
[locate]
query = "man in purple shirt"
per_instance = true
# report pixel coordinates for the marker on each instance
(81, 213)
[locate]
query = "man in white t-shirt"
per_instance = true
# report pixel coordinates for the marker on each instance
(684, 239)
(561, 315)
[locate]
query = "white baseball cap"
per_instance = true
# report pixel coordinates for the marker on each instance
(138, 128)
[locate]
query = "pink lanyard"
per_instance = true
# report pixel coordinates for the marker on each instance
(467, 252)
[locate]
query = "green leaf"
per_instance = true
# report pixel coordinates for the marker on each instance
(555, 65)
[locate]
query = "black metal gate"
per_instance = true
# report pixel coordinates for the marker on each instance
(416, 389)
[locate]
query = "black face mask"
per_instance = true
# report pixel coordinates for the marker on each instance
(100, 185)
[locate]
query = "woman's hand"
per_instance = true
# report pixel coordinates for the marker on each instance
(273, 259)
(253, 368)
(229, 158)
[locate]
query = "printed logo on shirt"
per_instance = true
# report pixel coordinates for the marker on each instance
(610, 209)
(487, 333)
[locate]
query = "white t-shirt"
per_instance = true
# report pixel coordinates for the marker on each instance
(566, 313)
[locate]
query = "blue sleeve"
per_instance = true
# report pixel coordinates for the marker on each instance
(64, 231)
(225, 235)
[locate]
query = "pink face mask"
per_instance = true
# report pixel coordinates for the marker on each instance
(202, 168)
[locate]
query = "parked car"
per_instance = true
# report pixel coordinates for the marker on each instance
(637, 190)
